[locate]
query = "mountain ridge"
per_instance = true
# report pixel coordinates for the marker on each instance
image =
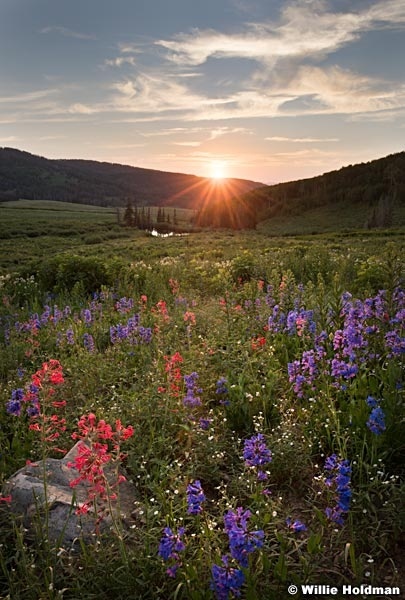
(32, 177)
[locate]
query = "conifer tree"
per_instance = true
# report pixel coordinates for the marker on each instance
(129, 215)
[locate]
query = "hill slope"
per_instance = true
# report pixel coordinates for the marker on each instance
(24, 175)
(374, 190)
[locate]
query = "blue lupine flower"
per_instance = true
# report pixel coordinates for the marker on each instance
(67, 311)
(241, 541)
(371, 402)
(256, 453)
(338, 476)
(170, 546)
(295, 526)
(131, 331)
(195, 497)
(226, 580)
(205, 423)
(171, 543)
(376, 421)
(330, 462)
(13, 407)
(221, 386)
(70, 336)
(145, 334)
(88, 342)
(191, 399)
(124, 305)
(87, 316)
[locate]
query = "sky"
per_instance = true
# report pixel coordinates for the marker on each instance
(267, 90)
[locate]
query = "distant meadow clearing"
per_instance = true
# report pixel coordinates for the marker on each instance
(250, 385)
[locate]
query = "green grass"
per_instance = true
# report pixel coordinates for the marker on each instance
(329, 219)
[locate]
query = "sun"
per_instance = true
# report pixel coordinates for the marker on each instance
(218, 170)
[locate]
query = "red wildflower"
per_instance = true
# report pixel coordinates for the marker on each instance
(189, 317)
(258, 343)
(92, 457)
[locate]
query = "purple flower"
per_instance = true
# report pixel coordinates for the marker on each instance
(195, 497)
(256, 453)
(205, 423)
(376, 421)
(70, 336)
(87, 316)
(191, 399)
(124, 305)
(145, 335)
(226, 580)
(304, 371)
(241, 541)
(338, 478)
(170, 546)
(295, 526)
(371, 402)
(221, 386)
(13, 407)
(88, 342)
(395, 343)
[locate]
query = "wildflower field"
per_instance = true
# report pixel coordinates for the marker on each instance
(250, 388)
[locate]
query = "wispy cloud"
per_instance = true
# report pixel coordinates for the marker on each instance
(304, 140)
(65, 32)
(120, 61)
(27, 96)
(221, 131)
(9, 139)
(84, 109)
(47, 138)
(186, 144)
(306, 28)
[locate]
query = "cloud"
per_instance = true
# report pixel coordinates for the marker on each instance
(131, 48)
(9, 140)
(221, 131)
(157, 94)
(120, 61)
(191, 144)
(46, 138)
(303, 140)
(83, 109)
(344, 91)
(306, 29)
(67, 32)
(27, 96)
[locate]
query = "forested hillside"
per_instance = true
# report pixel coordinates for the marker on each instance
(24, 175)
(378, 185)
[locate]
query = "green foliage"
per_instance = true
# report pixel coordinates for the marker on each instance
(73, 273)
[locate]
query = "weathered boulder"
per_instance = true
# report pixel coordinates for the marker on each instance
(59, 502)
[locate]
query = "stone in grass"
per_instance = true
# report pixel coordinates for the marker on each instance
(65, 527)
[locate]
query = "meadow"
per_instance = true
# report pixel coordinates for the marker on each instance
(255, 382)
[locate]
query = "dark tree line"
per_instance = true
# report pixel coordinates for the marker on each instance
(142, 218)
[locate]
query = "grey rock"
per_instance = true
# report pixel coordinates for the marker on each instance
(54, 511)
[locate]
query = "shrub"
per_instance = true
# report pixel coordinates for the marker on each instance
(64, 272)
